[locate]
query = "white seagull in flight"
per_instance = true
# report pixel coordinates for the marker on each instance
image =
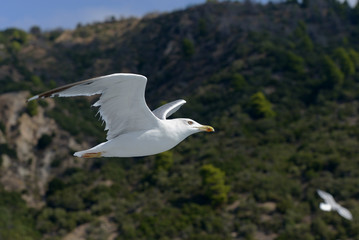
(331, 205)
(133, 129)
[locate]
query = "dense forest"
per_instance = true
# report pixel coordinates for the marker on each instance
(279, 82)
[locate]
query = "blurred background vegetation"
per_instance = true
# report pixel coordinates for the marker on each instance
(278, 82)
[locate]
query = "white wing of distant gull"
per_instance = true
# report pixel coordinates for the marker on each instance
(133, 129)
(331, 205)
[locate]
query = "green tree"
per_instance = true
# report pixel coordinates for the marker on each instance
(55, 219)
(354, 56)
(14, 34)
(294, 63)
(202, 27)
(260, 106)
(35, 30)
(32, 108)
(15, 46)
(333, 76)
(302, 38)
(213, 182)
(36, 81)
(16, 222)
(164, 161)
(14, 39)
(187, 47)
(344, 61)
(2, 127)
(238, 81)
(68, 199)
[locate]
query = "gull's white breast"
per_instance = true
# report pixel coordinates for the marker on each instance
(140, 143)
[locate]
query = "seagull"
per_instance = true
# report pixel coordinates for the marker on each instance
(133, 129)
(330, 204)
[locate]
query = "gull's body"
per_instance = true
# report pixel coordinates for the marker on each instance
(139, 143)
(133, 129)
(331, 205)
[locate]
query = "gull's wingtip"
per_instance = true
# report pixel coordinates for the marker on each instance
(32, 98)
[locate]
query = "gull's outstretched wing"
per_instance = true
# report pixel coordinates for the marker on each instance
(327, 197)
(168, 109)
(344, 213)
(122, 102)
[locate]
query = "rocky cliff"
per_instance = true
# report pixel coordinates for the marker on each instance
(34, 148)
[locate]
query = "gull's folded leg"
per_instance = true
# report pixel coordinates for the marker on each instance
(91, 155)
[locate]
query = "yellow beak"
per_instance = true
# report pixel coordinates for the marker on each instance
(206, 128)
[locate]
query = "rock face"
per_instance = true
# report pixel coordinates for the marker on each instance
(25, 166)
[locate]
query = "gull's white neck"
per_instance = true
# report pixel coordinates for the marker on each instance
(175, 129)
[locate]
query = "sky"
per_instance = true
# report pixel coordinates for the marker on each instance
(66, 14)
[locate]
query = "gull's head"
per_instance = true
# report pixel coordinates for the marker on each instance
(190, 126)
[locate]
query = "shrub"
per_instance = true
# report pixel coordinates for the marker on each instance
(354, 56)
(54, 219)
(287, 61)
(294, 63)
(36, 81)
(35, 30)
(213, 182)
(32, 108)
(2, 127)
(112, 170)
(164, 161)
(202, 27)
(187, 47)
(16, 35)
(344, 61)
(15, 46)
(68, 198)
(238, 81)
(16, 221)
(303, 40)
(55, 184)
(260, 106)
(333, 76)
(14, 39)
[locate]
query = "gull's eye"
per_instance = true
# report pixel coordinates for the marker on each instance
(190, 122)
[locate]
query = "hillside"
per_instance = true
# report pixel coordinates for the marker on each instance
(278, 82)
